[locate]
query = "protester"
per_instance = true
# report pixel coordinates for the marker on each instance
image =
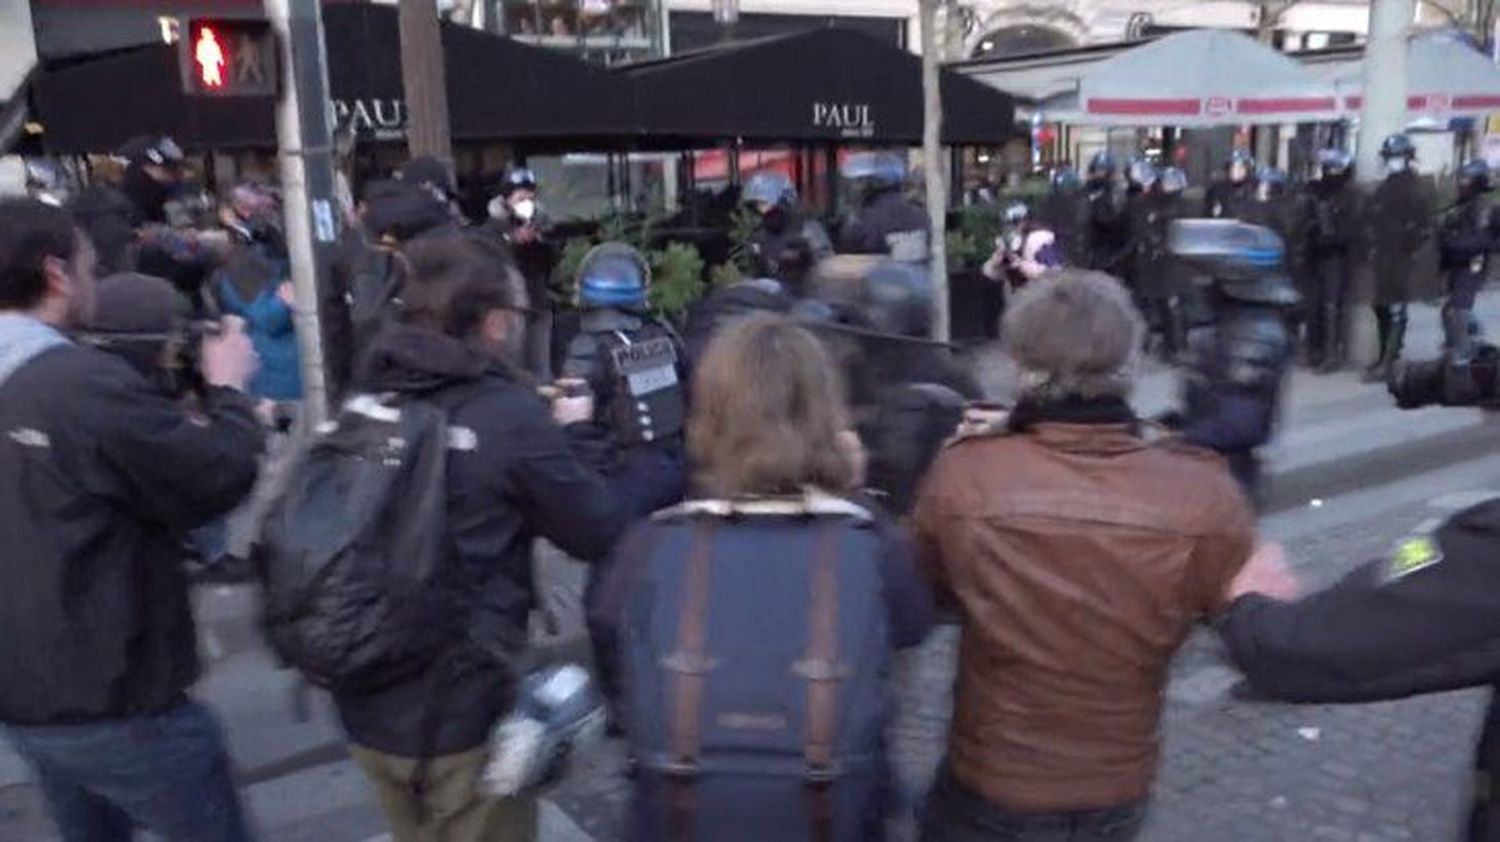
(106, 472)
(254, 283)
(457, 342)
(518, 217)
(744, 729)
(1079, 554)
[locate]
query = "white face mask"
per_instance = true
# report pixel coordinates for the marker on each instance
(1395, 165)
(524, 210)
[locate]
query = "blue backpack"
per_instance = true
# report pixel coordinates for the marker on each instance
(756, 653)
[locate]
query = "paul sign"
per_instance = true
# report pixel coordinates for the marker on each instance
(850, 119)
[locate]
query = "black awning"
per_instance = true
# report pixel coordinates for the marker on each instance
(96, 104)
(828, 84)
(498, 89)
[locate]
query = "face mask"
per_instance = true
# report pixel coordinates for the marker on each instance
(1396, 165)
(524, 210)
(1263, 192)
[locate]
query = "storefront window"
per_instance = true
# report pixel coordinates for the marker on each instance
(607, 31)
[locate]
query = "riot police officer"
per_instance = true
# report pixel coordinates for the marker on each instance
(1063, 213)
(887, 222)
(1426, 619)
(1152, 276)
(1333, 236)
(1233, 383)
(786, 244)
(1233, 196)
(632, 361)
(1107, 217)
(1468, 233)
(906, 391)
(1400, 221)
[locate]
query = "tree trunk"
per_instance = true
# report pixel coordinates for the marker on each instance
(424, 81)
(932, 166)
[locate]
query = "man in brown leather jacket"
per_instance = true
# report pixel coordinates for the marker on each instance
(1079, 553)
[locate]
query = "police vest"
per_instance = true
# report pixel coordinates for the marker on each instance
(648, 403)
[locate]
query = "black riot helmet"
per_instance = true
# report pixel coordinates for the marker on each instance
(1335, 165)
(1398, 145)
(1473, 179)
(1246, 262)
(896, 299)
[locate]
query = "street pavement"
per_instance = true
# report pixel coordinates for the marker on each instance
(1351, 475)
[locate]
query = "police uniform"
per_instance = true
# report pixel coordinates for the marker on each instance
(1230, 200)
(1107, 217)
(1232, 386)
(890, 224)
(635, 367)
(1424, 619)
(1155, 278)
(1333, 241)
(1400, 220)
(1468, 232)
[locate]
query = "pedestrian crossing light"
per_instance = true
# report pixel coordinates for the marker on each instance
(228, 57)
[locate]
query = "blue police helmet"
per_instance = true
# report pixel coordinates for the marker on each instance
(1016, 213)
(1065, 180)
(1103, 164)
(884, 169)
(769, 186)
(1173, 181)
(1398, 146)
(1334, 162)
(1142, 173)
(613, 275)
(520, 178)
(1474, 177)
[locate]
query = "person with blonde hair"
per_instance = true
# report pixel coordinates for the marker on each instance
(755, 623)
(1078, 553)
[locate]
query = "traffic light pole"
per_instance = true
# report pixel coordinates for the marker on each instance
(305, 154)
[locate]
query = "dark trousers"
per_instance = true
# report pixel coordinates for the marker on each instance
(1460, 328)
(168, 774)
(954, 813)
(1325, 309)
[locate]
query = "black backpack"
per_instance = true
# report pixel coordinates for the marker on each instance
(357, 594)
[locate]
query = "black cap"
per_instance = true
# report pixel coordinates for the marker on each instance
(427, 170)
(132, 303)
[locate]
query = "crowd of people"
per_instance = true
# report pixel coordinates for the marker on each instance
(773, 498)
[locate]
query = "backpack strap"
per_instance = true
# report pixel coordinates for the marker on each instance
(690, 665)
(821, 669)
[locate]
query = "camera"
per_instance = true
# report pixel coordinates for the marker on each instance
(1449, 380)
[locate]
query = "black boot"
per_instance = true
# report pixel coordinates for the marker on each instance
(1392, 325)
(1330, 349)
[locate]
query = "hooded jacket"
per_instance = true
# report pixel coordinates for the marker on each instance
(525, 478)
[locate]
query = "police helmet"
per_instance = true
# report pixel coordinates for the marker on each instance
(1335, 163)
(1241, 161)
(613, 275)
(1474, 178)
(882, 169)
(1065, 180)
(159, 151)
(896, 299)
(769, 187)
(1142, 173)
(1271, 181)
(1246, 261)
(1103, 165)
(1398, 146)
(1173, 181)
(520, 178)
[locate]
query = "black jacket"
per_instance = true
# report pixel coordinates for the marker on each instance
(527, 478)
(1426, 620)
(104, 474)
(890, 224)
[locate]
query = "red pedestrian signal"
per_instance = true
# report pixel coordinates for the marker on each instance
(228, 57)
(210, 58)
